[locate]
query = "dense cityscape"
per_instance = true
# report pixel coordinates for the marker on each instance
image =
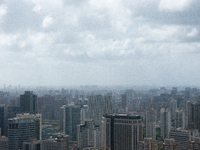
(99, 118)
(99, 75)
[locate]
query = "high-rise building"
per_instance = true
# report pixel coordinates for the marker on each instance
(194, 115)
(165, 118)
(99, 105)
(124, 101)
(180, 119)
(150, 123)
(190, 110)
(173, 107)
(20, 129)
(121, 131)
(84, 114)
(3, 119)
(88, 135)
(70, 117)
(28, 102)
(38, 126)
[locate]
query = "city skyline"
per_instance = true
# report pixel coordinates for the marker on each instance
(90, 42)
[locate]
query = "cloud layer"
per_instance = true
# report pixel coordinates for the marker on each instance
(99, 42)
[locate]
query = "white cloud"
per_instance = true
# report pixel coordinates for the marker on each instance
(173, 5)
(192, 33)
(3, 10)
(47, 21)
(37, 8)
(81, 42)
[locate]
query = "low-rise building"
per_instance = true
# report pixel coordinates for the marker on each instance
(194, 145)
(59, 143)
(149, 144)
(32, 144)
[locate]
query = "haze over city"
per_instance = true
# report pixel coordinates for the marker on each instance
(90, 42)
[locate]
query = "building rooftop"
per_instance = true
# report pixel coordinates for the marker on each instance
(121, 116)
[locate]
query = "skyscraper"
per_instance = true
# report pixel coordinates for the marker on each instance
(121, 132)
(150, 123)
(70, 117)
(165, 118)
(28, 102)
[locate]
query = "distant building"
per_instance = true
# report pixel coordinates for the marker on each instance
(124, 101)
(28, 102)
(173, 108)
(99, 105)
(88, 135)
(84, 114)
(13, 111)
(3, 119)
(165, 122)
(59, 143)
(150, 123)
(70, 117)
(120, 132)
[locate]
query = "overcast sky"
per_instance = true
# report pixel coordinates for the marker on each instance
(100, 42)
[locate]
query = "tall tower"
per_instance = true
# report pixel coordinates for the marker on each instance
(122, 131)
(70, 118)
(165, 122)
(28, 102)
(150, 123)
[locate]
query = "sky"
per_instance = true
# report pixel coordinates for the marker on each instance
(107, 42)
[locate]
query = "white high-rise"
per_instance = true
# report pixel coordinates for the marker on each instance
(180, 119)
(165, 118)
(70, 117)
(150, 123)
